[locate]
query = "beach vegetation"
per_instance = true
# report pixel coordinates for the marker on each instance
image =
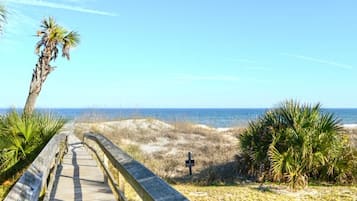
(163, 149)
(2, 17)
(52, 38)
(271, 191)
(151, 141)
(21, 140)
(297, 142)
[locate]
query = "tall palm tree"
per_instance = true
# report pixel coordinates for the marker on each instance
(52, 38)
(2, 17)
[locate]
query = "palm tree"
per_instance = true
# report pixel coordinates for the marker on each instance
(295, 142)
(2, 17)
(52, 38)
(311, 136)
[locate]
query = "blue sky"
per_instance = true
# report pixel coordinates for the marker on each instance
(179, 54)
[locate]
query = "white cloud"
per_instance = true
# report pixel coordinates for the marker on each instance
(321, 61)
(49, 4)
(208, 78)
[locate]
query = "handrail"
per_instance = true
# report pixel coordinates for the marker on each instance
(146, 184)
(39, 177)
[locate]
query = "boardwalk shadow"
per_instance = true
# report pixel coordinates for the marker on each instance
(76, 181)
(55, 183)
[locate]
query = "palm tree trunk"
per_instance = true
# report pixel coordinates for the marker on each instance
(30, 103)
(34, 91)
(39, 75)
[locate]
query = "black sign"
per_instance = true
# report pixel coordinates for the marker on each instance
(190, 163)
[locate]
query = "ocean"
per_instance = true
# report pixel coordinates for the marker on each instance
(219, 118)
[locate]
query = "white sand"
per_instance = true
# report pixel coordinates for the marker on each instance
(349, 125)
(131, 124)
(202, 126)
(223, 129)
(146, 124)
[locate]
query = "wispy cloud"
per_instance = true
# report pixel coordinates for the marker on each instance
(49, 4)
(17, 29)
(248, 64)
(242, 60)
(18, 19)
(321, 61)
(207, 78)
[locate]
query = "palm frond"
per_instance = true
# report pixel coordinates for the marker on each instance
(48, 23)
(54, 36)
(277, 160)
(299, 140)
(69, 41)
(21, 135)
(3, 14)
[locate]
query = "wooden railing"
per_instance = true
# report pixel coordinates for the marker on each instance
(37, 181)
(120, 169)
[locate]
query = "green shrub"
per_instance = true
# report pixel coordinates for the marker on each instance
(22, 137)
(295, 142)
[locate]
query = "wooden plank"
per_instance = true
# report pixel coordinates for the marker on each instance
(34, 180)
(146, 183)
(79, 177)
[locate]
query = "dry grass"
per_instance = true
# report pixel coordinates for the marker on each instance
(250, 192)
(3, 191)
(5, 187)
(352, 135)
(163, 148)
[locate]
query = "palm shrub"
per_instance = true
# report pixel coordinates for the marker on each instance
(22, 136)
(295, 142)
(49, 125)
(3, 14)
(17, 135)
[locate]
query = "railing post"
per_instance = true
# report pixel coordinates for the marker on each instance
(120, 169)
(105, 164)
(40, 174)
(121, 184)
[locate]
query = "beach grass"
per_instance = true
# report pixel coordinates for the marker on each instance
(252, 192)
(6, 185)
(151, 141)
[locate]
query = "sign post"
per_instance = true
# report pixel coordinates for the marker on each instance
(190, 163)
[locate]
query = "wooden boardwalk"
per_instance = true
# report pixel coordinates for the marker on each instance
(79, 177)
(62, 173)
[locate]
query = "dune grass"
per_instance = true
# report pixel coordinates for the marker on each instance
(151, 142)
(214, 153)
(252, 192)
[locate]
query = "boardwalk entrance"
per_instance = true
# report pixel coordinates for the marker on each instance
(78, 177)
(64, 170)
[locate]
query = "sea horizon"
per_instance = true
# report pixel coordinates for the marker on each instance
(213, 117)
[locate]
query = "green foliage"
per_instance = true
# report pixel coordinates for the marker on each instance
(295, 142)
(54, 36)
(23, 135)
(2, 17)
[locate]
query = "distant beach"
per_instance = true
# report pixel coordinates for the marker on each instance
(218, 118)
